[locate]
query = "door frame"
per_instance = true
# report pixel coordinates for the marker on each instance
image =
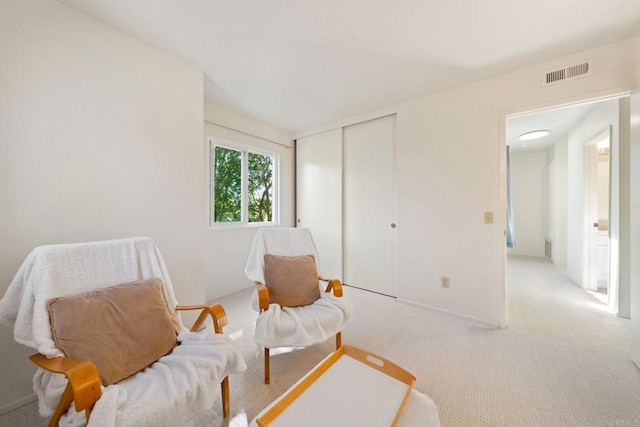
(502, 191)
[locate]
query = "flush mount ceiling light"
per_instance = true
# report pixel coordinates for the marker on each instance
(533, 135)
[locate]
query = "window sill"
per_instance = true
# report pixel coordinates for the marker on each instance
(242, 226)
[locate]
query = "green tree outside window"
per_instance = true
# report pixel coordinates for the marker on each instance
(260, 188)
(227, 185)
(237, 198)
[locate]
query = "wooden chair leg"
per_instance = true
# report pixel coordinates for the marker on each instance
(338, 340)
(63, 405)
(225, 397)
(266, 366)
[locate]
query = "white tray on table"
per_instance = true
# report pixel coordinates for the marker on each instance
(349, 387)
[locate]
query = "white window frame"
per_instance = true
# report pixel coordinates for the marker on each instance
(244, 149)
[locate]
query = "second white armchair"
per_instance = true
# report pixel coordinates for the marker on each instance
(298, 308)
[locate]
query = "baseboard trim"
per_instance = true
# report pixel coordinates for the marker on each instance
(451, 313)
(18, 403)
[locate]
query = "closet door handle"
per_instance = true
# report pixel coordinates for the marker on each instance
(393, 225)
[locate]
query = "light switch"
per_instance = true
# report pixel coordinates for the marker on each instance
(488, 217)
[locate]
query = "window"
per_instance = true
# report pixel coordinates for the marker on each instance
(243, 184)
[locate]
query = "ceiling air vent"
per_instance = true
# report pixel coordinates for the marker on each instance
(567, 73)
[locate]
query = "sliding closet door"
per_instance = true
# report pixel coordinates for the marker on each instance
(319, 196)
(369, 205)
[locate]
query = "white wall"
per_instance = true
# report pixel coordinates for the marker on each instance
(620, 202)
(450, 157)
(559, 250)
(634, 231)
(527, 198)
(226, 250)
(100, 138)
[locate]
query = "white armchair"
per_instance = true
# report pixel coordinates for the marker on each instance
(79, 304)
(298, 308)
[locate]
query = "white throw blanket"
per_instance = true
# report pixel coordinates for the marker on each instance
(293, 326)
(282, 241)
(69, 269)
(302, 326)
(193, 369)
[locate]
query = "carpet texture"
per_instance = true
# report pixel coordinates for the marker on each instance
(563, 360)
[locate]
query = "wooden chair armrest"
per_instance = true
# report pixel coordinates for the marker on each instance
(82, 374)
(263, 296)
(217, 313)
(334, 285)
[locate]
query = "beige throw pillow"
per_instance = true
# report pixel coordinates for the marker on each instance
(292, 281)
(122, 329)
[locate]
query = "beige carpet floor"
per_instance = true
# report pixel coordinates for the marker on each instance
(563, 361)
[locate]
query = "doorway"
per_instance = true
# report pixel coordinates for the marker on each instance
(569, 171)
(596, 214)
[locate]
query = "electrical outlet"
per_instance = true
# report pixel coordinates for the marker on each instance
(445, 282)
(488, 217)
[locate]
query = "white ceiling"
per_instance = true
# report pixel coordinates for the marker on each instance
(557, 121)
(301, 64)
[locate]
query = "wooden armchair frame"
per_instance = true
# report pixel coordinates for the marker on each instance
(333, 285)
(83, 387)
